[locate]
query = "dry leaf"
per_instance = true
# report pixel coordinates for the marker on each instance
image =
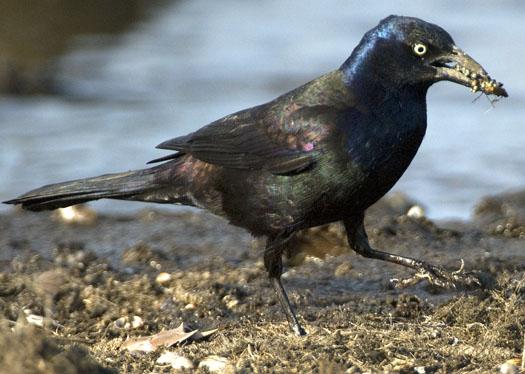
(166, 339)
(139, 345)
(172, 337)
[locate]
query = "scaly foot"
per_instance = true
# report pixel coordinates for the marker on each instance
(440, 277)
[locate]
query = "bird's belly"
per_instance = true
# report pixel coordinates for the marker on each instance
(266, 204)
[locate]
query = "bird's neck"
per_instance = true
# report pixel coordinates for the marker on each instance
(373, 81)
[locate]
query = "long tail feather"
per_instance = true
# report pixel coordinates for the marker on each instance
(116, 186)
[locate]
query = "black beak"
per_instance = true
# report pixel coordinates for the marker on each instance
(459, 67)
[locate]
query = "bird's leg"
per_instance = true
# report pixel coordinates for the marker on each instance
(274, 265)
(358, 241)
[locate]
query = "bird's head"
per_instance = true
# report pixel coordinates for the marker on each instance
(409, 51)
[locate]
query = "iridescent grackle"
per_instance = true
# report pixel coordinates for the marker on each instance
(321, 153)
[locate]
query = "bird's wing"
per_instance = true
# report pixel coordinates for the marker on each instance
(283, 136)
(280, 140)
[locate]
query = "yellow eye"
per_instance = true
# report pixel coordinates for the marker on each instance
(420, 49)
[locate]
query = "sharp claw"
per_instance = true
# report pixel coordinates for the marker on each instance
(438, 276)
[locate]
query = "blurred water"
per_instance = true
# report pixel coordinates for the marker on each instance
(196, 61)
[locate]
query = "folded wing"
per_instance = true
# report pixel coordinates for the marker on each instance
(283, 141)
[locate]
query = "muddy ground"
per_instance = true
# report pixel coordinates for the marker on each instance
(95, 285)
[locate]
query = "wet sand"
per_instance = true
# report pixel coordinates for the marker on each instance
(90, 281)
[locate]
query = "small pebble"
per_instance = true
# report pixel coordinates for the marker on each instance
(76, 214)
(230, 301)
(416, 211)
(126, 323)
(136, 322)
(33, 319)
(343, 270)
(163, 278)
(214, 364)
(174, 360)
(154, 264)
(121, 323)
(510, 367)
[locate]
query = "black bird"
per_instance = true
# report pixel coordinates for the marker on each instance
(321, 153)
